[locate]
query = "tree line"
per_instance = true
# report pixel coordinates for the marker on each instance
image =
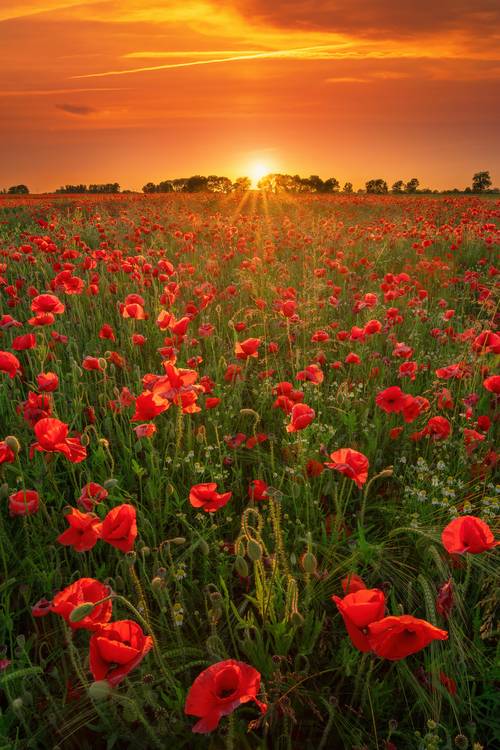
(272, 183)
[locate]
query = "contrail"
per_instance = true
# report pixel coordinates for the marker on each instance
(235, 58)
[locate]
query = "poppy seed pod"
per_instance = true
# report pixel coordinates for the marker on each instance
(99, 690)
(203, 546)
(13, 443)
(82, 611)
(254, 550)
(309, 563)
(241, 566)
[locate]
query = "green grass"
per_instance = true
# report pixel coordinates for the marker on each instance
(320, 690)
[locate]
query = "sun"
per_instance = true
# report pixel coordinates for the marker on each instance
(257, 171)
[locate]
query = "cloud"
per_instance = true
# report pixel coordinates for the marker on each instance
(76, 109)
(346, 79)
(391, 19)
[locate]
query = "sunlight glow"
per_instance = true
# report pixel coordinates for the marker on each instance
(256, 172)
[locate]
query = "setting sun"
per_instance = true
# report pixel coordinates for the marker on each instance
(256, 172)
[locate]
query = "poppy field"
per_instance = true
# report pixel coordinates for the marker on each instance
(249, 472)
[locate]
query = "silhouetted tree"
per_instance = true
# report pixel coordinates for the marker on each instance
(412, 185)
(378, 186)
(481, 181)
(18, 190)
(196, 184)
(331, 185)
(347, 187)
(398, 186)
(216, 184)
(316, 184)
(242, 184)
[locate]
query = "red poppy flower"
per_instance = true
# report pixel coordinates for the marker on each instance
(467, 534)
(353, 359)
(47, 303)
(395, 638)
(107, 332)
(487, 342)
(148, 406)
(312, 373)
(351, 463)
(47, 381)
(438, 428)
(257, 490)
(91, 494)
(352, 583)
(457, 371)
(9, 364)
(52, 438)
(83, 532)
(219, 690)
(445, 399)
(119, 528)
(37, 406)
(314, 468)
(21, 343)
(413, 406)
(212, 402)
(145, 430)
(84, 591)
(444, 599)
(91, 363)
(391, 399)
(247, 348)
(24, 503)
(7, 455)
(133, 310)
(448, 682)
(395, 432)
(116, 649)
(42, 608)
(205, 496)
(301, 417)
(358, 610)
(491, 384)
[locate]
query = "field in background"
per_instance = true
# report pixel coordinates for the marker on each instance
(188, 331)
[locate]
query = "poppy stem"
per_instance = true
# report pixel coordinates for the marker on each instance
(145, 624)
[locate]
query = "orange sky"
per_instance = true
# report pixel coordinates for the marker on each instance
(139, 90)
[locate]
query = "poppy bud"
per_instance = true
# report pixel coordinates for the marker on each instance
(461, 742)
(309, 563)
(82, 611)
(4, 491)
(17, 705)
(296, 618)
(13, 443)
(178, 540)
(241, 567)
(254, 550)
(204, 548)
(99, 690)
(110, 484)
(145, 551)
(157, 584)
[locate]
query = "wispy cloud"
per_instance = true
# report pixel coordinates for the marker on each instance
(179, 54)
(298, 52)
(75, 109)
(54, 92)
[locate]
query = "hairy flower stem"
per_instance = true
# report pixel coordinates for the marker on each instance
(278, 535)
